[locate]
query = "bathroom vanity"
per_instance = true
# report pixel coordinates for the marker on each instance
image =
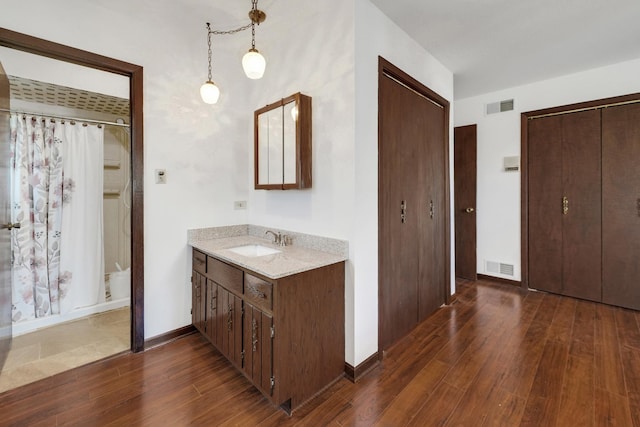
(275, 312)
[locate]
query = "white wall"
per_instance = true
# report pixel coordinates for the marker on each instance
(328, 50)
(377, 35)
(203, 148)
(498, 205)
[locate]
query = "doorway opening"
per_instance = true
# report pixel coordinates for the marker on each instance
(127, 144)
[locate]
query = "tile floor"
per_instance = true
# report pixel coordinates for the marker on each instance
(49, 351)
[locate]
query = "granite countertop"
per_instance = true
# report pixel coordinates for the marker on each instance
(291, 260)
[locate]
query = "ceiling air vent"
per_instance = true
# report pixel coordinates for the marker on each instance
(500, 106)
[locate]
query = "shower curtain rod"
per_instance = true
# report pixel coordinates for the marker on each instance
(73, 119)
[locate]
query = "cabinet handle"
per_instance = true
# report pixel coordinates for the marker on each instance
(565, 205)
(230, 318)
(10, 226)
(403, 211)
(431, 209)
(254, 334)
(197, 291)
(638, 207)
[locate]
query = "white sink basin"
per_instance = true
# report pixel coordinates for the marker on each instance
(254, 250)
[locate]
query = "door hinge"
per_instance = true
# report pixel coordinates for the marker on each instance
(242, 355)
(273, 383)
(273, 331)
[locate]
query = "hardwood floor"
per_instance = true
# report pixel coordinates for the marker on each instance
(497, 356)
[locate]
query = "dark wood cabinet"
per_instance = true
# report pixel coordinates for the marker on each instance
(583, 202)
(286, 335)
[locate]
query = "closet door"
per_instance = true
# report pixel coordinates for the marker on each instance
(400, 148)
(545, 203)
(431, 215)
(581, 220)
(621, 206)
(565, 204)
(412, 203)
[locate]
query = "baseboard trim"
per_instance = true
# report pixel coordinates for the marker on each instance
(354, 374)
(168, 337)
(499, 279)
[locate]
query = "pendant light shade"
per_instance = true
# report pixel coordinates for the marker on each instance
(254, 64)
(209, 92)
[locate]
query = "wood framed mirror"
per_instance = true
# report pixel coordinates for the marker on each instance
(282, 144)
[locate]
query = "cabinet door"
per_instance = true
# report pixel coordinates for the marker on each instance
(621, 206)
(229, 325)
(198, 300)
(211, 308)
(258, 348)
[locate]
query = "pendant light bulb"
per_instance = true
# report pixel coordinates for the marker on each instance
(209, 92)
(254, 64)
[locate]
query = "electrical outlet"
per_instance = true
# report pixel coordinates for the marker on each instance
(161, 176)
(240, 204)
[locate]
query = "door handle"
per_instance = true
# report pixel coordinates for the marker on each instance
(403, 211)
(10, 226)
(469, 210)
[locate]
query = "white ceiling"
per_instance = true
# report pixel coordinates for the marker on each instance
(495, 44)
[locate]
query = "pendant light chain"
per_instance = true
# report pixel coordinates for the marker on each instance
(209, 91)
(209, 51)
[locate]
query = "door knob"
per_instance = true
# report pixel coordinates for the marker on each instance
(10, 226)
(469, 210)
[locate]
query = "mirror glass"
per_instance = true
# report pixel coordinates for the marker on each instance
(290, 115)
(283, 144)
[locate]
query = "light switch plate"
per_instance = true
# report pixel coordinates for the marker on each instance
(240, 204)
(161, 176)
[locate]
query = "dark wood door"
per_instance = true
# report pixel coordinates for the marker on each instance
(621, 206)
(464, 172)
(401, 128)
(413, 219)
(545, 203)
(564, 204)
(581, 220)
(430, 196)
(5, 218)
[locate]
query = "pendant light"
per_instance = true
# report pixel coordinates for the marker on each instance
(253, 62)
(209, 91)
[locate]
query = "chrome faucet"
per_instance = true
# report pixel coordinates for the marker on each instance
(277, 237)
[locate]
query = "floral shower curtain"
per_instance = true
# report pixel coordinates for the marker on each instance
(48, 269)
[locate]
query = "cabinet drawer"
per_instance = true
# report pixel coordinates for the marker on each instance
(258, 292)
(199, 262)
(225, 275)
